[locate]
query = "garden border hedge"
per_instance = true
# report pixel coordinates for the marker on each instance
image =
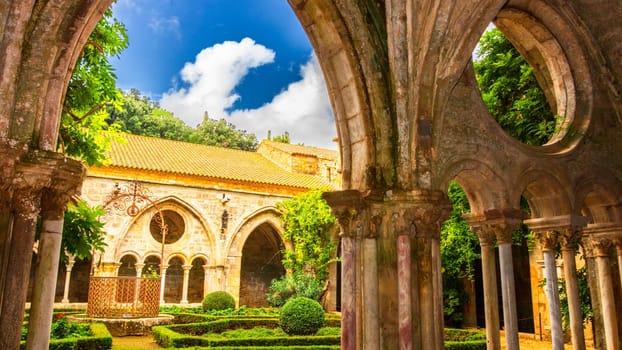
(188, 335)
(101, 339)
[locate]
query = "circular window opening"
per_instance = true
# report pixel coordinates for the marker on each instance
(174, 223)
(512, 91)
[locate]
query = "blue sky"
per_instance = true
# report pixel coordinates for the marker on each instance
(248, 61)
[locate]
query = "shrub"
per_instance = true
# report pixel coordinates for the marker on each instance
(220, 300)
(301, 316)
(297, 284)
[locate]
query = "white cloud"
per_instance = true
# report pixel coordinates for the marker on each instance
(302, 109)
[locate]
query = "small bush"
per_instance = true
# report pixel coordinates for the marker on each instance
(301, 316)
(297, 284)
(218, 301)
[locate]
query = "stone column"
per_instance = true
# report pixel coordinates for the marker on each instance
(139, 269)
(618, 243)
(489, 271)
(68, 269)
(499, 223)
(602, 248)
(207, 278)
(345, 206)
(26, 204)
(163, 282)
(508, 291)
(46, 273)
(184, 291)
(548, 241)
(569, 242)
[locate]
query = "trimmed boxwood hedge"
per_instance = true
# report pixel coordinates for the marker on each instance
(188, 335)
(99, 340)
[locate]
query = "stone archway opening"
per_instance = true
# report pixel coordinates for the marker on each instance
(261, 263)
(128, 266)
(196, 283)
(173, 288)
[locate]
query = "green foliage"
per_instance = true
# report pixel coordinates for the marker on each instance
(584, 298)
(141, 116)
(301, 316)
(511, 92)
(282, 138)
(459, 253)
(82, 231)
(62, 328)
(91, 88)
(291, 285)
(308, 221)
(454, 334)
(219, 300)
(221, 133)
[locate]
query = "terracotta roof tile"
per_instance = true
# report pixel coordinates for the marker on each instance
(148, 153)
(300, 149)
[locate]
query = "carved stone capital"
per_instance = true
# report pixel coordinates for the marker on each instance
(500, 223)
(346, 206)
(419, 213)
(601, 246)
(547, 240)
(618, 243)
(569, 239)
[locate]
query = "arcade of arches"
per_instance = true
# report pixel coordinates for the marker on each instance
(410, 119)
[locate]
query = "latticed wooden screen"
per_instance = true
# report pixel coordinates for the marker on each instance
(123, 297)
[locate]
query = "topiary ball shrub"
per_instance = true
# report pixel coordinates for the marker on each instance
(220, 300)
(301, 316)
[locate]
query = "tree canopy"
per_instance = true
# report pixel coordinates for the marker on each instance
(91, 88)
(511, 92)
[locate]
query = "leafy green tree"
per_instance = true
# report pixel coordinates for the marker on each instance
(308, 225)
(91, 88)
(141, 116)
(459, 253)
(511, 92)
(221, 133)
(282, 138)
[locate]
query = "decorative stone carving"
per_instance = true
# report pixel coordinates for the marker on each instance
(547, 239)
(601, 247)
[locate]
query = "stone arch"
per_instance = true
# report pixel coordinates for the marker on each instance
(545, 191)
(254, 257)
(197, 230)
(197, 280)
(173, 285)
(128, 261)
(483, 186)
(598, 195)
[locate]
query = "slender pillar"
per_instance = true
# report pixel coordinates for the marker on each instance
(491, 299)
(207, 278)
(508, 291)
(404, 283)
(184, 292)
(46, 275)
(602, 248)
(68, 269)
(371, 329)
(569, 242)
(26, 205)
(163, 282)
(548, 241)
(618, 243)
(348, 292)
(139, 269)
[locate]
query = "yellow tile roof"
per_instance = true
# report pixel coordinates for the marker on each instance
(299, 149)
(148, 153)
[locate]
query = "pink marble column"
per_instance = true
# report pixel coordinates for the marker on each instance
(348, 293)
(508, 290)
(404, 283)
